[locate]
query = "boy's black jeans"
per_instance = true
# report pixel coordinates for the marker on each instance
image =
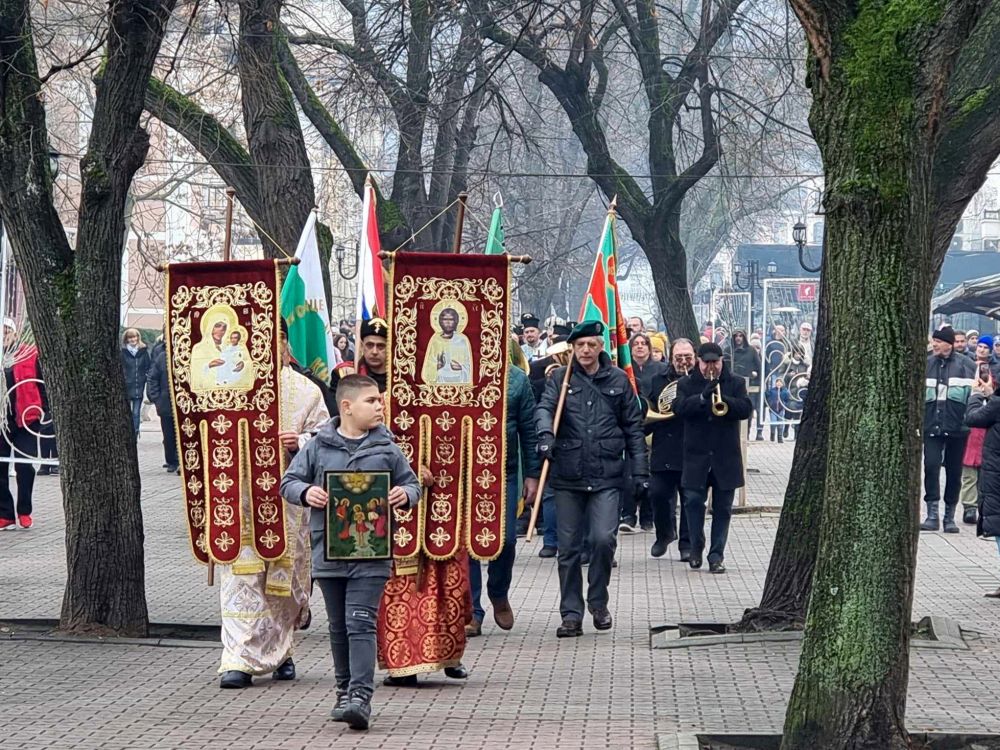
(352, 609)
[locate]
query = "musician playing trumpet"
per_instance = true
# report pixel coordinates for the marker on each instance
(712, 402)
(667, 457)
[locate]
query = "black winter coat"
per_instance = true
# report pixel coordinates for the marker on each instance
(136, 367)
(645, 374)
(711, 443)
(600, 429)
(668, 435)
(746, 363)
(158, 380)
(986, 413)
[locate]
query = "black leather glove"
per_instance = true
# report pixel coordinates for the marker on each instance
(546, 445)
(640, 486)
(709, 389)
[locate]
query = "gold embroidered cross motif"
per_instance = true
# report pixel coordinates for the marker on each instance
(266, 481)
(486, 421)
(404, 421)
(445, 421)
(188, 428)
(486, 537)
(221, 424)
(263, 423)
(222, 482)
(440, 536)
(269, 539)
(485, 479)
(402, 537)
(225, 541)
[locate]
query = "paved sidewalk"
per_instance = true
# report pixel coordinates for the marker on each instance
(527, 689)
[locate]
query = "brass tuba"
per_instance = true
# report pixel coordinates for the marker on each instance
(560, 353)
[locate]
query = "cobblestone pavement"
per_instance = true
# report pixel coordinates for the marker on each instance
(526, 689)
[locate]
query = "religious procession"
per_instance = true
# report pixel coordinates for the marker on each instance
(389, 480)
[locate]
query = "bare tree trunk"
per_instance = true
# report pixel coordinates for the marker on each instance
(73, 297)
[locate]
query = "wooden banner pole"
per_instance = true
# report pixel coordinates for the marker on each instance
(463, 198)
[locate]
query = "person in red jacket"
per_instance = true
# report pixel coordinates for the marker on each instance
(22, 412)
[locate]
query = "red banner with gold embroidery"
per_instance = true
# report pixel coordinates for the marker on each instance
(447, 395)
(222, 354)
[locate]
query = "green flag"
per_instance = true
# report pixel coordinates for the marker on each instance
(494, 241)
(303, 306)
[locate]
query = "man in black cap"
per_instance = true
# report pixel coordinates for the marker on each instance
(948, 385)
(533, 346)
(373, 358)
(600, 437)
(712, 403)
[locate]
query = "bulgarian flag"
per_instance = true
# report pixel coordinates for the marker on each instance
(371, 284)
(304, 306)
(494, 240)
(601, 302)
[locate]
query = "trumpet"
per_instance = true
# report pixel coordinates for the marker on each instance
(719, 407)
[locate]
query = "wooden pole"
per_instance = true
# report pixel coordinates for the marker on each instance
(460, 224)
(228, 242)
(545, 465)
(227, 245)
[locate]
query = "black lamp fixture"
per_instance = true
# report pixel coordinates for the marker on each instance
(799, 238)
(339, 252)
(751, 271)
(54, 162)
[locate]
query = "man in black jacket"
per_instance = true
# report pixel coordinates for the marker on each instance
(712, 455)
(158, 391)
(600, 438)
(948, 385)
(666, 460)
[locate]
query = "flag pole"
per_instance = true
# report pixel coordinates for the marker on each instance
(460, 224)
(227, 245)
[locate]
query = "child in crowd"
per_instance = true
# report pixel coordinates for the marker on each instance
(355, 441)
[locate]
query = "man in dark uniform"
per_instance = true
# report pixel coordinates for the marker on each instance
(531, 330)
(712, 454)
(373, 357)
(666, 460)
(599, 439)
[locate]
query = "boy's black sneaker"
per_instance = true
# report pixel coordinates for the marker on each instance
(358, 712)
(337, 714)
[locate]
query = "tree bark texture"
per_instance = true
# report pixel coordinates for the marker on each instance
(879, 75)
(72, 300)
(276, 145)
(970, 143)
(793, 557)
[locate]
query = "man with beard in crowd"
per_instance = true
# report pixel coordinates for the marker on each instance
(531, 330)
(948, 383)
(599, 442)
(712, 404)
(666, 460)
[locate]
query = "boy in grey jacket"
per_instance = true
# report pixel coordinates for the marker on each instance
(357, 440)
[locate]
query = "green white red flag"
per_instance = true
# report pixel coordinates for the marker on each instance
(602, 301)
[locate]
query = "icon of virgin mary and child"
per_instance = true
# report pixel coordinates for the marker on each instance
(448, 359)
(221, 360)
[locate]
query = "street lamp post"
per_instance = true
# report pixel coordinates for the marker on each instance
(751, 271)
(799, 237)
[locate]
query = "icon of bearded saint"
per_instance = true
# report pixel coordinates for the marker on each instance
(221, 359)
(448, 360)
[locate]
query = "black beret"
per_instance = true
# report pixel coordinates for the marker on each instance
(585, 329)
(562, 329)
(374, 327)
